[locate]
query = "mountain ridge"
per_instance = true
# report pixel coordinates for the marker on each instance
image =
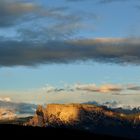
(87, 117)
(20, 108)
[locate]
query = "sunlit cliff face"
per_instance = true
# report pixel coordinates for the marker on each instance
(66, 113)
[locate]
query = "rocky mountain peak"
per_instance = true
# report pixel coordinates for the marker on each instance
(67, 114)
(93, 118)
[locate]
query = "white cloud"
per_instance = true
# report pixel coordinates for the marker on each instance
(49, 88)
(106, 88)
(76, 93)
(6, 99)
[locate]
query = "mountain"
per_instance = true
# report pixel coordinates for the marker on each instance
(86, 117)
(20, 109)
(6, 114)
(117, 107)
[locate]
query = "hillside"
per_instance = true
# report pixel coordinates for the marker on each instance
(18, 132)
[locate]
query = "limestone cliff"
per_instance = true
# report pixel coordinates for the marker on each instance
(87, 117)
(69, 114)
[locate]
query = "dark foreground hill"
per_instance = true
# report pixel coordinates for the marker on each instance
(26, 132)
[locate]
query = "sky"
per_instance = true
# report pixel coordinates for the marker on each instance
(63, 51)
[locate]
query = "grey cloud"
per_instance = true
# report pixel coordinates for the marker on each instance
(136, 88)
(64, 27)
(137, 7)
(12, 12)
(111, 1)
(75, 0)
(49, 23)
(55, 31)
(20, 108)
(101, 1)
(107, 88)
(29, 53)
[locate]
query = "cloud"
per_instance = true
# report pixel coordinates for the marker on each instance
(86, 93)
(133, 87)
(61, 28)
(18, 108)
(37, 43)
(107, 88)
(69, 94)
(137, 7)
(6, 99)
(11, 12)
(111, 1)
(31, 53)
(50, 88)
(75, 0)
(114, 89)
(101, 1)
(48, 22)
(35, 22)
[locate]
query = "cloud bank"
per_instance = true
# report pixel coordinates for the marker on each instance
(74, 93)
(93, 88)
(107, 88)
(102, 1)
(92, 93)
(105, 50)
(46, 37)
(12, 12)
(6, 99)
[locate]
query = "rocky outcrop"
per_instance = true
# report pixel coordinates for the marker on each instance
(91, 118)
(82, 116)
(39, 118)
(70, 115)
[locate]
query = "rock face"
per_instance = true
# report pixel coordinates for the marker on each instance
(39, 118)
(91, 118)
(70, 115)
(65, 113)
